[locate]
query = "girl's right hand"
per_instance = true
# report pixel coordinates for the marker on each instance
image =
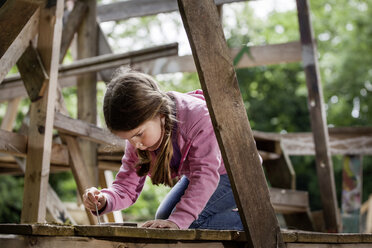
(93, 196)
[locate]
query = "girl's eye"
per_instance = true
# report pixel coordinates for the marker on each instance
(139, 134)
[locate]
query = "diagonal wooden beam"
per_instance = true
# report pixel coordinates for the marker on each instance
(234, 135)
(122, 10)
(19, 22)
(85, 130)
(318, 120)
(74, 19)
(79, 170)
(33, 73)
(41, 118)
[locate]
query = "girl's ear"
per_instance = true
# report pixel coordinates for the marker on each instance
(162, 119)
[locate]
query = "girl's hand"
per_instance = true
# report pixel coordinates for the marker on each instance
(93, 196)
(160, 224)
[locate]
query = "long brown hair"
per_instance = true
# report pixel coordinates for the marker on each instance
(131, 99)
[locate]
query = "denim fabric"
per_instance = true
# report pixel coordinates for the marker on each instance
(218, 214)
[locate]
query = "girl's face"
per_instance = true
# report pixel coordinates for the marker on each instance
(147, 136)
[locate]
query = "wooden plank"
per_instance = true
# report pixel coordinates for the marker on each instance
(234, 135)
(104, 48)
(86, 86)
(102, 62)
(41, 119)
(318, 120)
(10, 114)
(279, 172)
(137, 8)
(74, 19)
(59, 242)
(16, 144)
(352, 181)
(32, 73)
(13, 143)
(65, 124)
(16, 31)
(260, 55)
(79, 170)
(299, 200)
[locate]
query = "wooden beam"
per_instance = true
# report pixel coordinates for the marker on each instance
(234, 135)
(10, 114)
(41, 118)
(16, 31)
(369, 216)
(318, 120)
(68, 125)
(137, 8)
(79, 170)
(74, 19)
(13, 143)
(260, 55)
(98, 63)
(104, 48)
(32, 73)
(289, 201)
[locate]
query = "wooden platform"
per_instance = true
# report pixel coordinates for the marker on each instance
(46, 235)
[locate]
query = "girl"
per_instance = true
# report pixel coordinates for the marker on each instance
(168, 135)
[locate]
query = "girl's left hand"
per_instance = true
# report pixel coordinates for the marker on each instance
(160, 224)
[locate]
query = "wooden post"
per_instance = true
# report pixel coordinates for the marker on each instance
(11, 114)
(41, 118)
(235, 138)
(352, 181)
(86, 89)
(318, 120)
(79, 170)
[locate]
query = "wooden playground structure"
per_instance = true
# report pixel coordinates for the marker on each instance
(36, 38)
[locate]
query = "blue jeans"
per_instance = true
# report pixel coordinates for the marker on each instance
(218, 214)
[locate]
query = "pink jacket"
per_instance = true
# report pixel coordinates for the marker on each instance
(201, 162)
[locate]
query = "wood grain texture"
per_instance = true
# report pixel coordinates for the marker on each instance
(138, 8)
(79, 170)
(16, 31)
(221, 90)
(68, 125)
(33, 73)
(74, 19)
(41, 119)
(318, 120)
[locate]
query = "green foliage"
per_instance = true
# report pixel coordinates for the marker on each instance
(11, 193)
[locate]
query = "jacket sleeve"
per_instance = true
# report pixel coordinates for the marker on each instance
(203, 160)
(127, 185)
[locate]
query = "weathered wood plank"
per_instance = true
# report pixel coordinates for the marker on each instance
(11, 241)
(289, 201)
(41, 119)
(79, 170)
(138, 8)
(16, 31)
(74, 19)
(87, 88)
(13, 143)
(260, 55)
(68, 125)
(318, 120)
(10, 114)
(32, 73)
(13, 87)
(221, 90)
(104, 48)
